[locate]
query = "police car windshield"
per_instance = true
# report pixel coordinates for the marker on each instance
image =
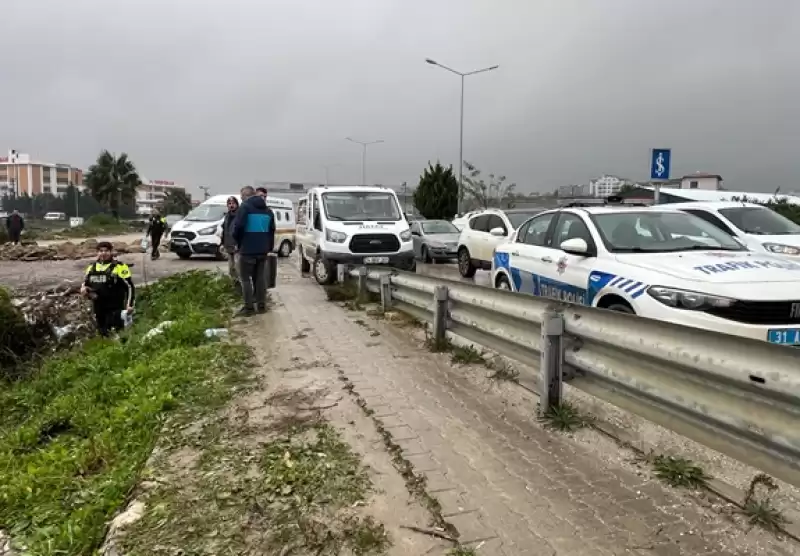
(357, 206)
(660, 232)
(760, 221)
(207, 213)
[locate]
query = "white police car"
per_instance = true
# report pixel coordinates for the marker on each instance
(656, 262)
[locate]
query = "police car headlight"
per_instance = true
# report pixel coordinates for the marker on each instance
(781, 249)
(334, 236)
(405, 235)
(207, 231)
(683, 299)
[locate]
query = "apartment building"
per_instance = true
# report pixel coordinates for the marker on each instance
(152, 192)
(20, 174)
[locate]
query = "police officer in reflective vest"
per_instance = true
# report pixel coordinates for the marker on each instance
(155, 229)
(109, 285)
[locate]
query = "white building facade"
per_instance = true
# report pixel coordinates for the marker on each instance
(606, 185)
(151, 194)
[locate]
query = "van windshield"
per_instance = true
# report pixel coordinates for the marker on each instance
(207, 213)
(361, 206)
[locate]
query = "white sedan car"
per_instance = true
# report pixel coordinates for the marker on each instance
(657, 262)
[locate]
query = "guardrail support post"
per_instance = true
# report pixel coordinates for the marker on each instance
(386, 292)
(550, 379)
(362, 282)
(342, 273)
(440, 304)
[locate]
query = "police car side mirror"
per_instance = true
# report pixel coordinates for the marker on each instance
(497, 232)
(575, 246)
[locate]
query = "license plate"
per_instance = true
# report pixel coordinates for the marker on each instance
(784, 336)
(376, 260)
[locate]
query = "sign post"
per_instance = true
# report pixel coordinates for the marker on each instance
(660, 160)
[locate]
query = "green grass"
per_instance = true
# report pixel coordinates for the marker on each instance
(75, 434)
(758, 506)
(292, 495)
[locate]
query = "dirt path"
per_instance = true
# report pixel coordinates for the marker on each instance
(47, 274)
(126, 238)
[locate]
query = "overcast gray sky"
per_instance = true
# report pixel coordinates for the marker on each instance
(224, 92)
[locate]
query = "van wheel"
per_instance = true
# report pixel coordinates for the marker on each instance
(324, 272)
(465, 266)
(285, 249)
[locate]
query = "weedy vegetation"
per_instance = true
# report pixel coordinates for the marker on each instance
(679, 471)
(759, 508)
(76, 431)
(565, 417)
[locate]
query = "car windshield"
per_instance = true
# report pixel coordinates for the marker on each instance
(661, 232)
(358, 206)
(760, 221)
(438, 227)
(517, 219)
(207, 213)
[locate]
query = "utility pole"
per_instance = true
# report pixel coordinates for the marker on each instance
(364, 145)
(462, 75)
(405, 197)
(205, 189)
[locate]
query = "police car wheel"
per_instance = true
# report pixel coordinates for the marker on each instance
(621, 308)
(285, 249)
(503, 284)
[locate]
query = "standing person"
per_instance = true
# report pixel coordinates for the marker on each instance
(262, 192)
(254, 232)
(228, 241)
(155, 229)
(14, 226)
(109, 285)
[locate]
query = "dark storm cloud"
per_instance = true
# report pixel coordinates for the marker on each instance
(228, 92)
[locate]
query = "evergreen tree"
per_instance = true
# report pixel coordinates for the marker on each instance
(436, 196)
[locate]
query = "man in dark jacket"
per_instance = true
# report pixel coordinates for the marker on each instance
(14, 226)
(254, 232)
(155, 229)
(228, 241)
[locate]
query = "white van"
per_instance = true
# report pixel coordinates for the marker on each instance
(351, 225)
(200, 232)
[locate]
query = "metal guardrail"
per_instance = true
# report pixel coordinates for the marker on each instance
(738, 396)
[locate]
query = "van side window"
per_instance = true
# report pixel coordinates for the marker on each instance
(301, 212)
(317, 216)
(278, 215)
(287, 216)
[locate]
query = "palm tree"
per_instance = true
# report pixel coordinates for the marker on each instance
(112, 181)
(176, 201)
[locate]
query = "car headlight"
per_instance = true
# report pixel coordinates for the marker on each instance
(683, 299)
(405, 235)
(207, 231)
(334, 236)
(781, 249)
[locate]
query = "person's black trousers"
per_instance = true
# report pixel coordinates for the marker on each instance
(253, 277)
(108, 319)
(14, 235)
(156, 239)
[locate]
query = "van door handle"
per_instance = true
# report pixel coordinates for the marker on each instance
(546, 260)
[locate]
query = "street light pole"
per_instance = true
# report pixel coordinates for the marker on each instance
(364, 145)
(463, 75)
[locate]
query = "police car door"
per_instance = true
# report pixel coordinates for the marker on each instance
(568, 277)
(529, 253)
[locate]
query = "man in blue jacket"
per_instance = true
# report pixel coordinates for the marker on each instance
(254, 232)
